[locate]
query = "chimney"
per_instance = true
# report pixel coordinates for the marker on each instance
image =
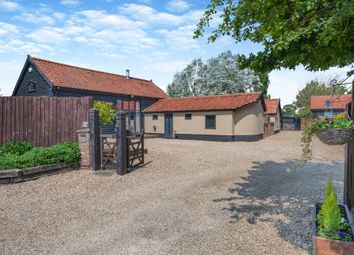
(127, 74)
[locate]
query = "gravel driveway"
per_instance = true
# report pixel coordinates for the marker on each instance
(194, 197)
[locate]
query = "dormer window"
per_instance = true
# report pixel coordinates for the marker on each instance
(32, 86)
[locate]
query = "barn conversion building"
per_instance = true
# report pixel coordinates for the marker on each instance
(235, 117)
(41, 77)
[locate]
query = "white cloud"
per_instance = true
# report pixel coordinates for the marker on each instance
(181, 38)
(70, 2)
(36, 18)
(168, 66)
(81, 39)
(9, 5)
(150, 15)
(49, 35)
(102, 18)
(6, 28)
(177, 5)
(132, 38)
(59, 15)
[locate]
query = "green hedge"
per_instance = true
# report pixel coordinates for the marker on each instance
(16, 147)
(67, 152)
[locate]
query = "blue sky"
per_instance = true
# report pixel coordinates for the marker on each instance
(151, 38)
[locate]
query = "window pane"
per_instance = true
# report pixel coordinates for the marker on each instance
(188, 116)
(210, 122)
(154, 116)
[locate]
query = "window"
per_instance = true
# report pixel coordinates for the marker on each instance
(132, 116)
(188, 116)
(32, 86)
(210, 122)
(155, 117)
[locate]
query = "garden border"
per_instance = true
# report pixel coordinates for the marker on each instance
(31, 173)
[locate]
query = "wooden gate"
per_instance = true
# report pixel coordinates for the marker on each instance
(135, 151)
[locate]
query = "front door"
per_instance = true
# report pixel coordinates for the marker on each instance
(168, 125)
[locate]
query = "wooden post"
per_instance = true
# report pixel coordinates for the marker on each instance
(142, 147)
(121, 143)
(349, 164)
(134, 115)
(94, 140)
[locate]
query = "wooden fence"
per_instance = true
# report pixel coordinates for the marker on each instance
(43, 121)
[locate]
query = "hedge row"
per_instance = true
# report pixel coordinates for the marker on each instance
(23, 155)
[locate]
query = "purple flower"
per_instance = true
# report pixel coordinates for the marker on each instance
(342, 234)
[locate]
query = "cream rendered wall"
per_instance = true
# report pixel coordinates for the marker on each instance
(150, 123)
(249, 120)
(277, 121)
(275, 118)
(196, 126)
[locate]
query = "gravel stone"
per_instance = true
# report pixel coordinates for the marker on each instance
(193, 197)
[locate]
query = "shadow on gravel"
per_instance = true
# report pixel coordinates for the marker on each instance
(270, 194)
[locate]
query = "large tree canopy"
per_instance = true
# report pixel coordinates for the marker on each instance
(219, 75)
(317, 34)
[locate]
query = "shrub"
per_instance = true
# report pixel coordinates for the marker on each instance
(16, 147)
(106, 114)
(330, 221)
(67, 152)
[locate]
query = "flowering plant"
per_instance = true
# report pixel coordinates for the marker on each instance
(338, 122)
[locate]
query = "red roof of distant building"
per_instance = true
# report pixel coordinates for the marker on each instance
(272, 106)
(67, 76)
(205, 103)
(337, 102)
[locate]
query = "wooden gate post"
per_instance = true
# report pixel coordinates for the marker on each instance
(349, 164)
(94, 140)
(121, 150)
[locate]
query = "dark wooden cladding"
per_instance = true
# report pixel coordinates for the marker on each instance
(43, 121)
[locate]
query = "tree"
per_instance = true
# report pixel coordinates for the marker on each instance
(188, 82)
(318, 34)
(315, 88)
(219, 75)
(289, 110)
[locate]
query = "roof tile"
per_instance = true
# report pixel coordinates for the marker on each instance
(338, 102)
(272, 105)
(205, 103)
(67, 76)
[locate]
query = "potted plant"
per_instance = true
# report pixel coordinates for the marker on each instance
(332, 131)
(333, 226)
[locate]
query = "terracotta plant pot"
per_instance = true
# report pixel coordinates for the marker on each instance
(325, 246)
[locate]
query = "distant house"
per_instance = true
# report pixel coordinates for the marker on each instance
(235, 117)
(329, 105)
(41, 77)
(273, 113)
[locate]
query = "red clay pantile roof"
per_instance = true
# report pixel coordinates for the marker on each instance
(67, 76)
(205, 103)
(272, 106)
(338, 102)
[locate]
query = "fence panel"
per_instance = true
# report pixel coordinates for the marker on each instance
(43, 121)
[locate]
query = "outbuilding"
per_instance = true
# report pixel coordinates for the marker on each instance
(232, 117)
(40, 77)
(273, 113)
(328, 106)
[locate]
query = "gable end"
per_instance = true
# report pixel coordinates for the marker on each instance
(32, 82)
